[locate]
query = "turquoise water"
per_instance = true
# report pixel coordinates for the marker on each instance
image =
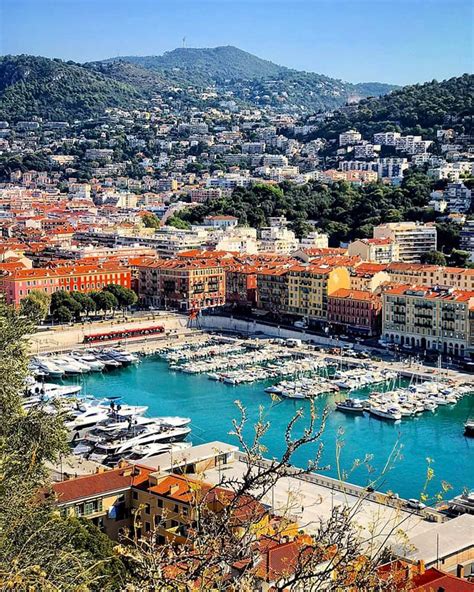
(211, 406)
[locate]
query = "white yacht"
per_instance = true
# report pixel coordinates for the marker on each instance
(50, 368)
(143, 451)
(391, 413)
(86, 418)
(89, 360)
(123, 356)
(69, 366)
(109, 450)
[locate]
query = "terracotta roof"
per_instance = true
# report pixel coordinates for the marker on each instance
(354, 294)
(99, 483)
(434, 580)
(431, 293)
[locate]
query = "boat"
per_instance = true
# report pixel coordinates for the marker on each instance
(50, 368)
(391, 413)
(89, 360)
(123, 356)
(355, 406)
(110, 451)
(469, 427)
(108, 360)
(70, 366)
(143, 451)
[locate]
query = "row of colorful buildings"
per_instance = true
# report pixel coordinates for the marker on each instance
(418, 306)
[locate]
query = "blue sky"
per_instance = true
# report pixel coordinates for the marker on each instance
(399, 41)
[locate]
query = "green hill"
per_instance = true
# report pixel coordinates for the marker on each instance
(206, 64)
(56, 90)
(419, 108)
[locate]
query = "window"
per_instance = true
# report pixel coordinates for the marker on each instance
(147, 527)
(135, 495)
(147, 508)
(160, 503)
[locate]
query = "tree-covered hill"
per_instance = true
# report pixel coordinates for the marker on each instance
(56, 90)
(204, 64)
(342, 210)
(420, 108)
(254, 80)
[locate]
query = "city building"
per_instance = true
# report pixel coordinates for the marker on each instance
(428, 318)
(309, 287)
(413, 239)
(378, 250)
(221, 221)
(355, 312)
(17, 284)
(185, 284)
(350, 137)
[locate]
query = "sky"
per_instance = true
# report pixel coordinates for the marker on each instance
(395, 41)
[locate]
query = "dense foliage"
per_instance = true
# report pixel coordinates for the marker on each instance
(68, 306)
(56, 90)
(39, 550)
(420, 109)
(342, 210)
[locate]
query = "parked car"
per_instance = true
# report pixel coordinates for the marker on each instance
(415, 504)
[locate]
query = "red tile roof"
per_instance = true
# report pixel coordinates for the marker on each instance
(99, 483)
(434, 580)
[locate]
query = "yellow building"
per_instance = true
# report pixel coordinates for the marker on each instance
(309, 287)
(429, 318)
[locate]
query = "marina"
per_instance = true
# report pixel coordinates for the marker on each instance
(437, 434)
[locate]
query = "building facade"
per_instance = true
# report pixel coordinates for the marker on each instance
(182, 284)
(413, 239)
(355, 311)
(429, 318)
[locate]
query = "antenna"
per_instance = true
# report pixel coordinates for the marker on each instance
(184, 42)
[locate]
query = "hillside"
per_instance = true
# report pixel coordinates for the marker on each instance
(254, 80)
(218, 63)
(419, 108)
(56, 90)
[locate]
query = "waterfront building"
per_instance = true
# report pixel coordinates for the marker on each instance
(460, 278)
(272, 290)
(378, 250)
(428, 318)
(185, 284)
(309, 287)
(413, 239)
(355, 311)
(17, 284)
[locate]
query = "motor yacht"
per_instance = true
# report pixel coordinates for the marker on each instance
(391, 413)
(123, 356)
(354, 406)
(143, 451)
(108, 360)
(89, 360)
(469, 427)
(111, 449)
(51, 368)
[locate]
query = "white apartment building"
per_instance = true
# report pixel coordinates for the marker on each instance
(413, 239)
(412, 144)
(387, 138)
(458, 197)
(377, 250)
(228, 181)
(315, 240)
(349, 138)
(366, 150)
(275, 160)
(277, 238)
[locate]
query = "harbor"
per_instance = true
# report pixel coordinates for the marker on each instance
(438, 434)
